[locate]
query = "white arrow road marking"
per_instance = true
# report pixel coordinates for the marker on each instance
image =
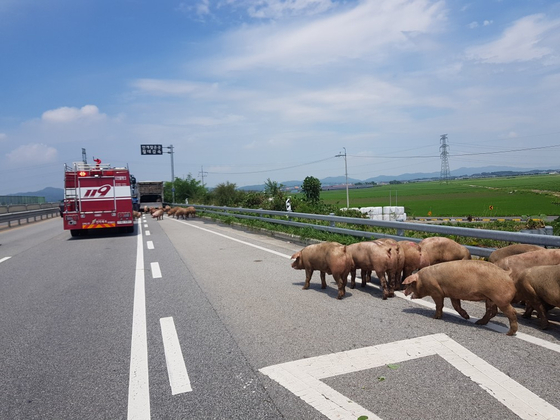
(303, 377)
(176, 369)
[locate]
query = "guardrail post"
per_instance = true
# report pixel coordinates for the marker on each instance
(332, 221)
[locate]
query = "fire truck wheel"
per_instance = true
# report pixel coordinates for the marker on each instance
(76, 232)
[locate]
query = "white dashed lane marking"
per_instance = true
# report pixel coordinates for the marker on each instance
(176, 369)
(150, 245)
(156, 271)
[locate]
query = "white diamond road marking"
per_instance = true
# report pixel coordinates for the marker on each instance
(303, 377)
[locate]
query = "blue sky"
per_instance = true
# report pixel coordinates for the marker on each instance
(250, 90)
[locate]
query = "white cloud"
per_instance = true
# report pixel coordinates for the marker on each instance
(276, 9)
(473, 25)
(200, 9)
(69, 114)
(363, 32)
(488, 22)
(529, 38)
(32, 153)
(175, 87)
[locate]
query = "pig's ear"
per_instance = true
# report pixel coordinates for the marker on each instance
(296, 255)
(410, 279)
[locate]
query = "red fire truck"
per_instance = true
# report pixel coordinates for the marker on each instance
(97, 196)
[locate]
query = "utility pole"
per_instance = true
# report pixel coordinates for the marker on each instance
(444, 174)
(202, 173)
(346, 174)
(170, 147)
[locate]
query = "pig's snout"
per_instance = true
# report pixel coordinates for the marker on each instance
(408, 291)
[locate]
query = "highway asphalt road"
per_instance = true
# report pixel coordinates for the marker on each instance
(189, 319)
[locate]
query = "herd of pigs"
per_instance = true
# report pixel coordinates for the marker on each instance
(176, 212)
(440, 267)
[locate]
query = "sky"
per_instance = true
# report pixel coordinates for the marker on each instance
(253, 90)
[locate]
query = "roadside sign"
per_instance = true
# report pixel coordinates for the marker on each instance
(151, 149)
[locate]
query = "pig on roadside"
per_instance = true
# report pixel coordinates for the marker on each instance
(181, 213)
(326, 257)
(474, 280)
(172, 211)
(400, 260)
(514, 249)
(438, 249)
(412, 258)
(158, 214)
(190, 212)
(539, 287)
(379, 256)
(518, 263)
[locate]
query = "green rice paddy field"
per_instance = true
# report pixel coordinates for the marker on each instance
(533, 195)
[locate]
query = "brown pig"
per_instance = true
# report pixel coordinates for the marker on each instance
(172, 211)
(438, 249)
(539, 286)
(400, 260)
(518, 263)
(468, 280)
(514, 249)
(327, 257)
(190, 212)
(158, 214)
(381, 257)
(412, 258)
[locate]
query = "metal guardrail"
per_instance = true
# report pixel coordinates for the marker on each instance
(28, 215)
(401, 227)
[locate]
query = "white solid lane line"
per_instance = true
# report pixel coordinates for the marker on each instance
(138, 386)
(176, 369)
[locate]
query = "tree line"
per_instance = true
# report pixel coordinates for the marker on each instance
(274, 196)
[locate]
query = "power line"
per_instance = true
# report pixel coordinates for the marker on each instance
(271, 170)
(457, 155)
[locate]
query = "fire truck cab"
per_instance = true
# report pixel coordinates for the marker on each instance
(96, 197)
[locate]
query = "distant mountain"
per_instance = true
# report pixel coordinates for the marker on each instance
(56, 194)
(457, 173)
(51, 194)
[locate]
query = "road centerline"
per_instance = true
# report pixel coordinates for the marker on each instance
(138, 387)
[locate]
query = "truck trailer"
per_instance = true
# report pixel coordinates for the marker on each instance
(97, 197)
(150, 191)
